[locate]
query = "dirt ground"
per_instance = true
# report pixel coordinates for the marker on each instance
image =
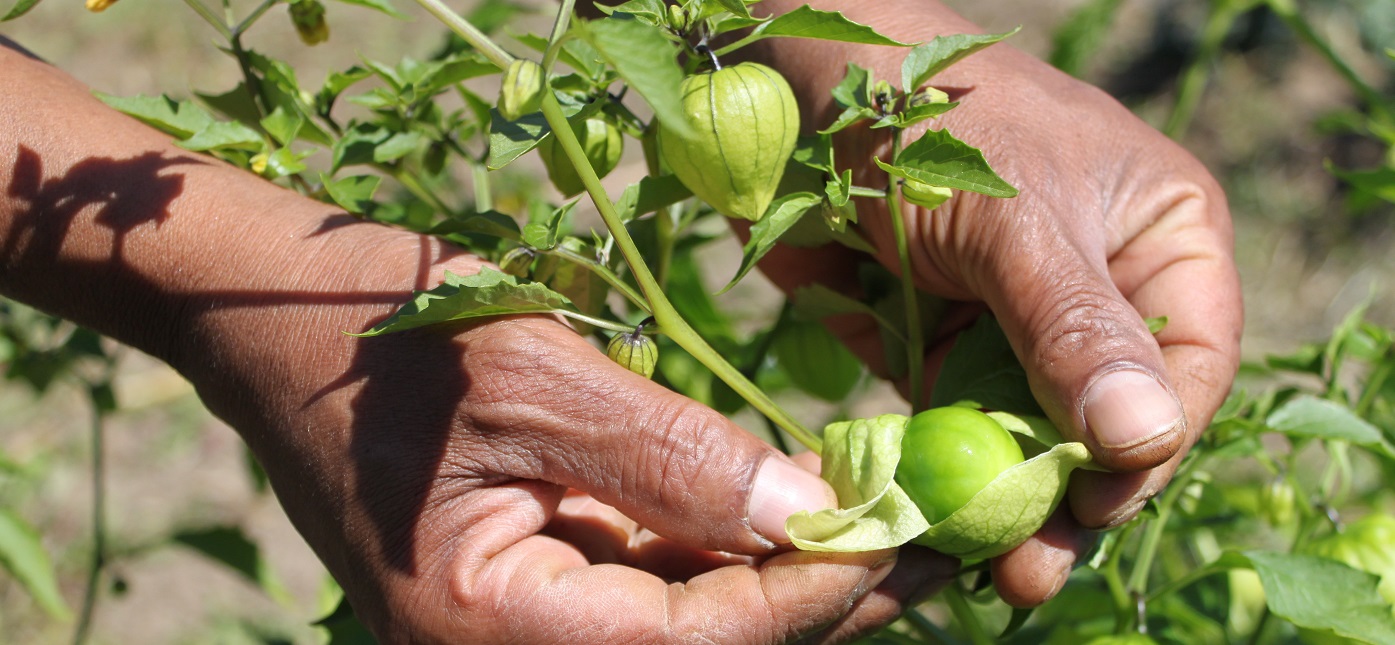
(172, 467)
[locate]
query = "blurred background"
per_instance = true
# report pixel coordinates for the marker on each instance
(1278, 105)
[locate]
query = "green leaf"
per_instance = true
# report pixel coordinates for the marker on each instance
(228, 545)
(1322, 594)
(284, 162)
(1379, 181)
(1156, 324)
(543, 235)
(779, 217)
(487, 293)
(859, 462)
(911, 116)
(181, 119)
(1010, 509)
(397, 146)
(653, 12)
(815, 152)
(576, 281)
(381, 6)
(355, 193)
(358, 145)
(839, 189)
(815, 360)
(981, 368)
(490, 223)
(283, 126)
(807, 22)
(939, 159)
(235, 104)
(22, 554)
(508, 140)
(855, 90)
(650, 194)
(22, 7)
(1309, 416)
(736, 7)
(337, 82)
(224, 135)
(646, 59)
(925, 61)
(850, 116)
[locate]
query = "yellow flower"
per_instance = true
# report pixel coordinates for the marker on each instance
(98, 6)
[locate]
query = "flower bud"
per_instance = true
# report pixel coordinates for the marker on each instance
(308, 16)
(923, 194)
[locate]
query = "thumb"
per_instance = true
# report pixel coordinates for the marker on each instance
(676, 467)
(1089, 357)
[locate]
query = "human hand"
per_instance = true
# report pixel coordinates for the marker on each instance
(1114, 224)
(507, 482)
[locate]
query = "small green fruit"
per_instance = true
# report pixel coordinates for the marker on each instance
(522, 89)
(923, 194)
(308, 16)
(635, 352)
(518, 262)
(746, 122)
(602, 143)
(949, 454)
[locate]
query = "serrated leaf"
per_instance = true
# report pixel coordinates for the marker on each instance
(1322, 594)
(850, 117)
(807, 22)
(224, 135)
(508, 140)
(236, 104)
(981, 368)
(22, 7)
(490, 223)
(282, 125)
(939, 159)
(358, 145)
(782, 214)
(487, 293)
(736, 7)
(381, 6)
(284, 162)
(652, 11)
(925, 61)
(22, 554)
(646, 60)
(181, 119)
(839, 189)
(354, 194)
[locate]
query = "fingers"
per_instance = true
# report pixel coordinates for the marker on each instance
(538, 589)
(546, 405)
(1036, 570)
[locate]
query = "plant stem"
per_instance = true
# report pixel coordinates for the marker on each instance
(1152, 536)
(484, 196)
(559, 30)
(1288, 12)
(927, 630)
(99, 528)
(863, 191)
(211, 18)
(964, 614)
(668, 318)
(1193, 82)
(251, 18)
(490, 49)
(604, 272)
(915, 336)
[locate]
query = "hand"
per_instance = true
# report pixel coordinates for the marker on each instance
(496, 482)
(1114, 224)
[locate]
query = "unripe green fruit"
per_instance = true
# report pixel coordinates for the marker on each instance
(923, 194)
(948, 455)
(1276, 501)
(635, 352)
(602, 143)
(746, 122)
(522, 89)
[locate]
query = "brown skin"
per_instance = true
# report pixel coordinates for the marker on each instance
(504, 481)
(1114, 224)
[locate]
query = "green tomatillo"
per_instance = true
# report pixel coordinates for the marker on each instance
(949, 454)
(745, 121)
(602, 143)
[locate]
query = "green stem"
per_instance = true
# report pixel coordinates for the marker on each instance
(915, 336)
(484, 196)
(414, 186)
(664, 229)
(99, 528)
(727, 49)
(1193, 82)
(603, 271)
(964, 614)
(863, 191)
(927, 630)
(1257, 636)
(1118, 591)
(1153, 533)
(665, 315)
(252, 18)
(490, 49)
(1288, 12)
(211, 18)
(559, 30)
(596, 322)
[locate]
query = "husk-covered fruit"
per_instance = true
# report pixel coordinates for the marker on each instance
(746, 121)
(635, 352)
(522, 89)
(603, 144)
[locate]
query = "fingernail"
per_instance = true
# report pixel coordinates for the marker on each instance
(875, 576)
(780, 490)
(1126, 409)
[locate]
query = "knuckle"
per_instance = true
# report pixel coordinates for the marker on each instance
(1075, 320)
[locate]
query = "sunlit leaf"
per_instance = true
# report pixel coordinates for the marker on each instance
(487, 293)
(783, 213)
(939, 159)
(925, 61)
(22, 554)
